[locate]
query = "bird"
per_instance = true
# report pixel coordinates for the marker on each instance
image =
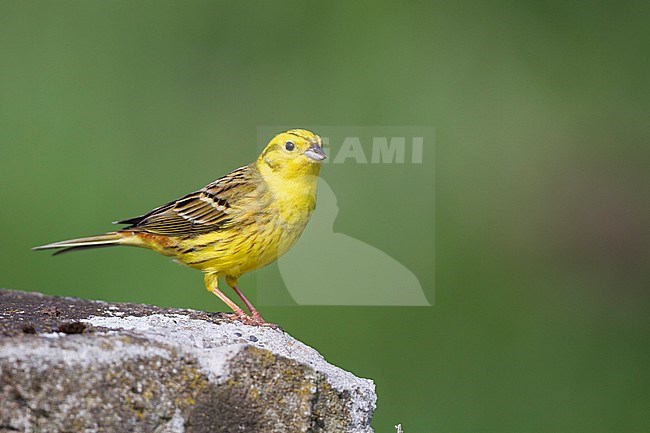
(236, 224)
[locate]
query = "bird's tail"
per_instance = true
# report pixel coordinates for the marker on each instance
(106, 240)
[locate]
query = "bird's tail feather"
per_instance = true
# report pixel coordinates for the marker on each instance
(106, 240)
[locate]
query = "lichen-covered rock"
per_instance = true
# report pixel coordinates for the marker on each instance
(69, 365)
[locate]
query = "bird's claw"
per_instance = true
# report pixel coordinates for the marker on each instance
(252, 320)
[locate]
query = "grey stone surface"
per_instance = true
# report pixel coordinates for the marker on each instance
(70, 365)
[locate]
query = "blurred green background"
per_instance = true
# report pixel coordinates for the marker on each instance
(541, 316)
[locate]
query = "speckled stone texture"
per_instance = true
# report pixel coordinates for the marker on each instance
(70, 365)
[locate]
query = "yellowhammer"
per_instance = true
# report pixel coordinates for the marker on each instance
(236, 224)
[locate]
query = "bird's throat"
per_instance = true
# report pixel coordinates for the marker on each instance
(294, 193)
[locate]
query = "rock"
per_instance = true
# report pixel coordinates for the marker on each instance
(71, 365)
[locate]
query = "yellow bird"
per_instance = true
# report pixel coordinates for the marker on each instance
(236, 224)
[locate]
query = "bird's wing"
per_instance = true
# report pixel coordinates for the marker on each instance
(205, 210)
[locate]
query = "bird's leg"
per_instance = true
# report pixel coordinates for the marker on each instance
(212, 284)
(255, 315)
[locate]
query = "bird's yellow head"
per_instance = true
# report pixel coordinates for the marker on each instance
(293, 153)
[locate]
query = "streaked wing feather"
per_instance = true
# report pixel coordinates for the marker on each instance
(205, 210)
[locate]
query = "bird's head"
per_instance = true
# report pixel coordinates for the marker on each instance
(293, 153)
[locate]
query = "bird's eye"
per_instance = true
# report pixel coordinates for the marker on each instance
(289, 146)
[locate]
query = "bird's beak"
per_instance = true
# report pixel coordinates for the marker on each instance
(315, 152)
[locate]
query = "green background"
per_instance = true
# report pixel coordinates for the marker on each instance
(541, 315)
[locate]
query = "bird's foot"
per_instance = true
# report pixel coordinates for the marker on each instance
(259, 321)
(252, 320)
